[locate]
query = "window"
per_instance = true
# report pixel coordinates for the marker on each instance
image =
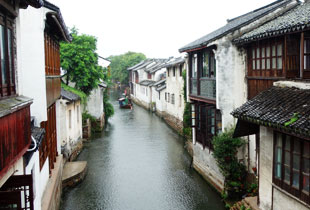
(168, 97)
(181, 67)
(174, 71)
(267, 56)
(70, 119)
(292, 165)
(172, 99)
(158, 95)
(194, 66)
(7, 70)
(168, 71)
(208, 123)
(180, 100)
(78, 113)
(307, 54)
(208, 64)
(149, 76)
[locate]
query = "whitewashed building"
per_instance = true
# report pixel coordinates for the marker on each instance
(38, 58)
(70, 124)
(278, 107)
(216, 85)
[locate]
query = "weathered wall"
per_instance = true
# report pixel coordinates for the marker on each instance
(95, 103)
(175, 86)
(281, 199)
(265, 170)
(70, 136)
(173, 122)
(205, 164)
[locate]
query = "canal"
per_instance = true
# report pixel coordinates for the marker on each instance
(139, 163)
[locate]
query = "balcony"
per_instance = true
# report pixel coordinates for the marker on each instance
(203, 88)
(15, 131)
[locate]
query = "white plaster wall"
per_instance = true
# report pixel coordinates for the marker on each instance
(282, 201)
(175, 86)
(31, 60)
(70, 136)
(143, 93)
(95, 103)
(265, 170)
(206, 164)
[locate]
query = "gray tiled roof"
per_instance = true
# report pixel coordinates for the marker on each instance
(69, 95)
(137, 65)
(234, 24)
(147, 82)
(277, 106)
(175, 62)
(60, 19)
(159, 82)
(161, 88)
(33, 3)
(295, 19)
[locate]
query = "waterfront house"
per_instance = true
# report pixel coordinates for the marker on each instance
(70, 124)
(39, 78)
(278, 73)
(216, 85)
(174, 93)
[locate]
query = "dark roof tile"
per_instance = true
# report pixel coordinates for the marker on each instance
(277, 106)
(234, 24)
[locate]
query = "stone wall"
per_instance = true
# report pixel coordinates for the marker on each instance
(173, 122)
(52, 194)
(205, 164)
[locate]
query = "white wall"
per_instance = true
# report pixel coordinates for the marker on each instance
(70, 136)
(31, 60)
(95, 103)
(175, 86)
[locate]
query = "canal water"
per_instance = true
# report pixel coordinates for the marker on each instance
(139, 163)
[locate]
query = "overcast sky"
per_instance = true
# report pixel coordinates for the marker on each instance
(156, 28)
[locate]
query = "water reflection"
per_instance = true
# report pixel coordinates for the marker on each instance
(139, 163)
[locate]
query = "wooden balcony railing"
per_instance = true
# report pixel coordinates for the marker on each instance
(15, 137)
(204, 88)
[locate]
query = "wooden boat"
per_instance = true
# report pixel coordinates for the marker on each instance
(123, 104)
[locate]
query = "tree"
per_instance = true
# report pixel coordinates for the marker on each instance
(80, 60)
(120, 63)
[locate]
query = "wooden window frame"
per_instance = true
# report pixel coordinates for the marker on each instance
(306, 54)
(8, 89)
(297, 192)
(181, 67)
(203, 136)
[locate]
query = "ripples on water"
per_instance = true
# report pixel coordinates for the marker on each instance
(139, 163)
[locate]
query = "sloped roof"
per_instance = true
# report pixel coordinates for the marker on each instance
(159, 65)
(234, 24)
(64, 29)
(175, 61)
(159, 82)
(147, 82)
(136, 66)
(161, 88)
(295, 19)
(69, 95)
(33, 3)
(276, 107)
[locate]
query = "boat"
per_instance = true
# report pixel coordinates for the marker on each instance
(125, 104)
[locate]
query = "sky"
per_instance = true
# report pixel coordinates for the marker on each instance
(155, 28)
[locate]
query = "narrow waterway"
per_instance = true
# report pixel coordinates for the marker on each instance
(139, 163)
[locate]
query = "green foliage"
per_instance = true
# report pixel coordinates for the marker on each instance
(120, 63)
(242, 207)
(187, 115)
(225, 154)
(184, 86)
(81, 94)
(227, 206)
(95, 126)
(108, 107)
(80, 60)
(292, 120)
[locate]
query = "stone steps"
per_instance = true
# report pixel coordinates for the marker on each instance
(249, 203)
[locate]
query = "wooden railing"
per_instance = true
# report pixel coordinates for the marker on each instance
(15, 137)
(204, 88)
